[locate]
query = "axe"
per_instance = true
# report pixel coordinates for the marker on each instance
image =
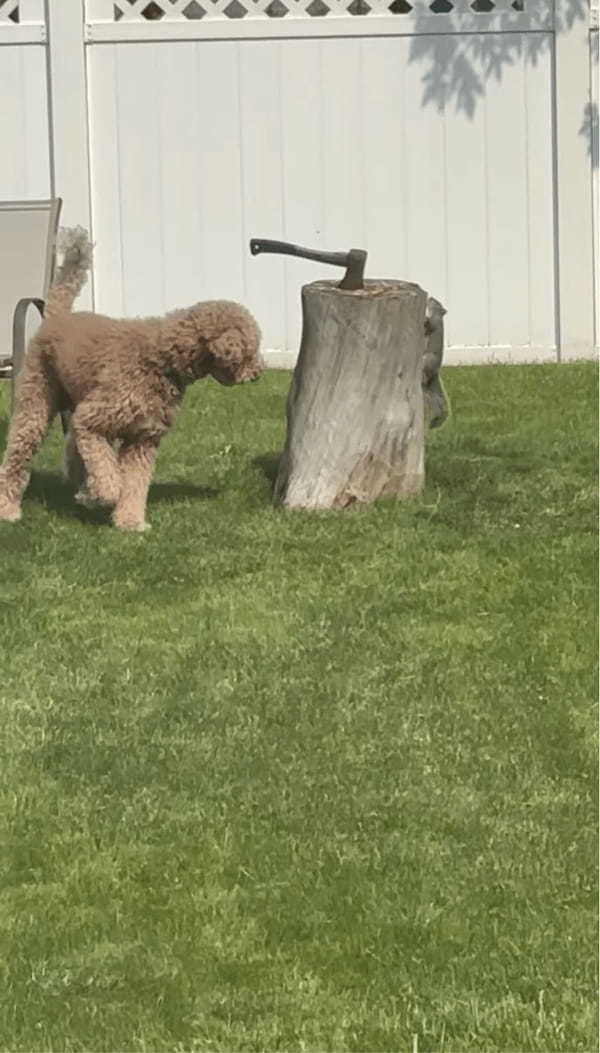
(354, 261)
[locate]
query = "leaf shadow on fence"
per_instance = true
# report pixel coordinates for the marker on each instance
(457, 65)
(589, 130)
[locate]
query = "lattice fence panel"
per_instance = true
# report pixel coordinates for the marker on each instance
(22, 12)
(9, 12)
(191, 10)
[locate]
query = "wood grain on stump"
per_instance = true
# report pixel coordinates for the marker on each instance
(355, 406)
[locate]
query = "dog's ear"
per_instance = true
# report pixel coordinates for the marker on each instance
(228, 348)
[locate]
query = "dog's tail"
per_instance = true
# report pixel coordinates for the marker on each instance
(71, 275)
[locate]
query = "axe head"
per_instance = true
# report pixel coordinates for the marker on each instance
(355, 269)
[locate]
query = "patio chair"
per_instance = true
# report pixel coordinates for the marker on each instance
(27, 250)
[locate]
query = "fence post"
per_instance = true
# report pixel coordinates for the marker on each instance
(595, 151)
(68, 105)
(573, 183)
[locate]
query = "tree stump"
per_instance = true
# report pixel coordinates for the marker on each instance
(355, 427)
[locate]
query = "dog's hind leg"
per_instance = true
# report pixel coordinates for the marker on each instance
(136, 461)
(37, 404)
(103, 482)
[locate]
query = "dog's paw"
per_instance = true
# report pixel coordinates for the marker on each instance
(9, 512)
(132, 525)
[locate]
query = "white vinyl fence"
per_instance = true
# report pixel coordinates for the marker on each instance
(455, 140)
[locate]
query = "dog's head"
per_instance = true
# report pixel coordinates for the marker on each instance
(229, 345)
(217, 338)
(235, 351)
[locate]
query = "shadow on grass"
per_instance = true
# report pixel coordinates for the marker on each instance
(179, 491)
(52, 491)
(475, 465)
(503, 457)
(268, 463)
(449, 465)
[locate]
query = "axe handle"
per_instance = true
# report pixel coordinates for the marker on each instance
(354, 261)
(257, 245)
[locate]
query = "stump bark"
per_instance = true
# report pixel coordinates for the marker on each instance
(355, 427)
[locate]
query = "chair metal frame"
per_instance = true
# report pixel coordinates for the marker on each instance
(11, 367)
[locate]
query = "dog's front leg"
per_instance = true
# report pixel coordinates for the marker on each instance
(103, 482)
(136, 463)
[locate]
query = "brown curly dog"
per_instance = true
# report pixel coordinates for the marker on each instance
(123, 382)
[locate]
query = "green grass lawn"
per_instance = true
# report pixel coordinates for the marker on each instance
(308, 781)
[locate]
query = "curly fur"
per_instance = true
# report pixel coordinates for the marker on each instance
(123, 381)
(71, 275)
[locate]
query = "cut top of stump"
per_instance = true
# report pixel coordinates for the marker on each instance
(372, 288)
